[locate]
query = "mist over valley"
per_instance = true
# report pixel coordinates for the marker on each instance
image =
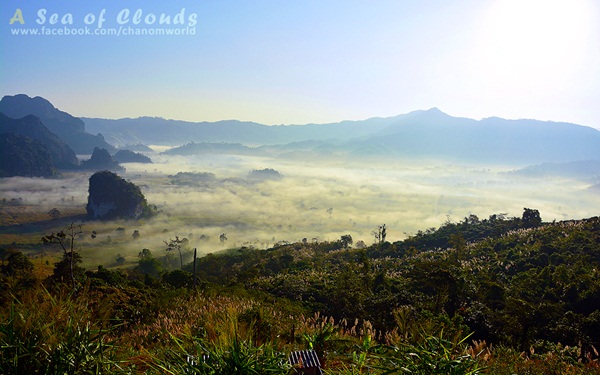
(202, 197)
(266, 185)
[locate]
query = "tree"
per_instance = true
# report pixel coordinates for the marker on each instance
(178, 278)
(177, 244)
(380, 234)
(54, 213)
(70, 257)
(145, 253)
(459, 243)
(346, 240)
(472, 219)
(68, 270)
(148, 264)
(360, 244)
(531, 218)
(136, 234)
(18, 264)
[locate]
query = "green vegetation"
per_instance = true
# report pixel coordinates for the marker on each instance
(481, 296)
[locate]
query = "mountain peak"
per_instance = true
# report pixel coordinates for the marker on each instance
(67, 127)
(21, 105)
(434, 110)
(36, 105)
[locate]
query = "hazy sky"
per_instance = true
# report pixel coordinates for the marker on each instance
(300, 61)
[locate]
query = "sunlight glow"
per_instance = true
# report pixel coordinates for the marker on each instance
(527, 42)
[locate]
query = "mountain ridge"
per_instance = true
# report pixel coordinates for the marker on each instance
(67, 127)
(434, 134)
(32, 127)
(420, 134)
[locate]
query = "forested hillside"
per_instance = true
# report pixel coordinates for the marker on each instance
(502, 295)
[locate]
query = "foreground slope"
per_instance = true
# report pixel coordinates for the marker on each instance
(519, 297)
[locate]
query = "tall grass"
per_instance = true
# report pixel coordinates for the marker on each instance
(239, 357)
(220, 333)
(47, 334)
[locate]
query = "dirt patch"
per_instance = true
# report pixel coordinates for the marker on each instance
(26, 224)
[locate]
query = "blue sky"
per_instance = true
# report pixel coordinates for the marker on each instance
(301, 61)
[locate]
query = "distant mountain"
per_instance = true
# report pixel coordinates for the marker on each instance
(127, 156)
(101, 160)
(210, 148)
(419, 134)
(159, 131)
(70, 129)
(136, 148)
(23, 156)
(30, 126)
(588, 170)
(434, 134)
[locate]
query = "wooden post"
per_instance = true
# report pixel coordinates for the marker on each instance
(195, 280)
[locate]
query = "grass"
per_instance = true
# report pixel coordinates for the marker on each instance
(52, 334)
(217, 333)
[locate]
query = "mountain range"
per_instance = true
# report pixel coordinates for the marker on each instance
(68, 128)
(422, 134)
(419, 134)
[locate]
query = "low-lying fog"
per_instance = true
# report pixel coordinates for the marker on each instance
(312, 201)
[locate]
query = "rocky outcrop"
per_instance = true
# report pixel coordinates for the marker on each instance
(111, 197)
(101, 160)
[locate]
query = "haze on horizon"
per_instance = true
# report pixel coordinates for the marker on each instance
(284, 62)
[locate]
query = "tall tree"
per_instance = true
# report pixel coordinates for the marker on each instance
(67, 243)
(177, 244)
(531, 218)
(346, 240)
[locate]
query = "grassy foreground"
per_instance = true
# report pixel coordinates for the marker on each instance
(499, 296)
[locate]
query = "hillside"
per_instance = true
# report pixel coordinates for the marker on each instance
(32, 127)
(490, 274)
(475, 297)
(22, 156)
(68, 128)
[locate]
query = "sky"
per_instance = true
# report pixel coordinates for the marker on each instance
(306, 61)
